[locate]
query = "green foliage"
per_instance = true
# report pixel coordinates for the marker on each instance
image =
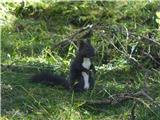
(30, 31)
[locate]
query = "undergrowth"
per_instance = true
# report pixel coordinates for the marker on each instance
(29, 34)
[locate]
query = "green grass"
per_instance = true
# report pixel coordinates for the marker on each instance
(27, 47)
(22, 99)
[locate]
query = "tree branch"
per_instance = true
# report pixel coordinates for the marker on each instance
(121, 97)
(73, 36)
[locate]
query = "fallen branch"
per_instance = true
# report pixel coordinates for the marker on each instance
(73, 36)
(96, 26)
(117, 98)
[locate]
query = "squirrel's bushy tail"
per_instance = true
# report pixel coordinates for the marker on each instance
(50, 79)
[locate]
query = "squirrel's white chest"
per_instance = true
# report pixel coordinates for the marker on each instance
(86, 63)
(86, 80)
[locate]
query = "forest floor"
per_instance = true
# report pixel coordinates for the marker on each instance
(22, 99)
(26, 45)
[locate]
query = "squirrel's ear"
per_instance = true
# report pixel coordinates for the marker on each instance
(88, 40)
(88, 34)
(81, 43)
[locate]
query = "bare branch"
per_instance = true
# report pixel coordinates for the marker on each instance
(73, 36)
(121, 97)
(150, 56)
(126, 32)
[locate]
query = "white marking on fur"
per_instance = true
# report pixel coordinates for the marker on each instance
(86, 80)
(86, 63)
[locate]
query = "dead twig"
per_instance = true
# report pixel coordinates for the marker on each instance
(126, 32)
(152, 58)
(73, 36)
(115, 99)
(121, 97)
(145, 38)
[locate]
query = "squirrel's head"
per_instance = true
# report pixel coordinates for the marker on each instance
(86, 49)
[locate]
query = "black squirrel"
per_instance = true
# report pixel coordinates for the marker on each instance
(81, 68)
(81, 71)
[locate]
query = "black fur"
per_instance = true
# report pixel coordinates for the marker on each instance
(75, 81)
(50, 79)
(76, 68)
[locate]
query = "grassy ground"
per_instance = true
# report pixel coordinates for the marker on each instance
(26, 47)
(22, 99)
